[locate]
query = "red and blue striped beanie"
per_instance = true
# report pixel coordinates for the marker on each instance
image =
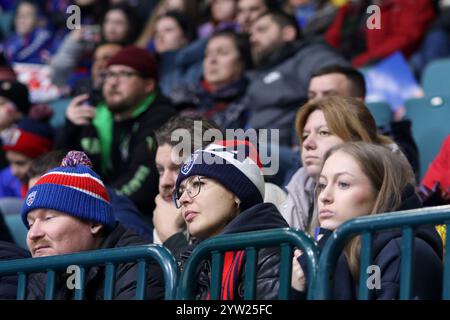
(233, 163)
(74, 189)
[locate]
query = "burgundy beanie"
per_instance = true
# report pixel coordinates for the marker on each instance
(137, 58)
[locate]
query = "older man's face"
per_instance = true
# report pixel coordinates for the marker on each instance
(53, 233)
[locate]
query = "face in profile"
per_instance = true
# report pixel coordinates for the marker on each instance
(168, 171)
(53, 233)
(265, 37)
(20, 165)
(317, 140)
(343, 191)
(207, 213)
(248, 11)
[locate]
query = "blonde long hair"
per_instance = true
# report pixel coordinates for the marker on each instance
(389, 174)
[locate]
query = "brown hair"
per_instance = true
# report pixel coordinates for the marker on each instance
(389, 174)
(346, 117)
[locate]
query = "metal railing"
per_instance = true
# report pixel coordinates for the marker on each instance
(216, 247)
(366, 227)
(83, 260)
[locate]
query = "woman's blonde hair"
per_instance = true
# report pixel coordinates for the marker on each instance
(348, 118)
(389, 174)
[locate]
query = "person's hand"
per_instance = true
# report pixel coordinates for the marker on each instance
(80, 113)
(298, 280)
(167, 219)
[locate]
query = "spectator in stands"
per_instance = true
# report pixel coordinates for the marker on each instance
(284, 67)
(313, 16)
(435, 186)
(80, 218)
(249, 10)
(402, 26)
(123, 209)
(32, 137)
(320, 125)
(226, 197)
(335, 80)
(360, 179)
(30, 43)
(118, 135)
(178, 62)
(8, 284)
(219, 96)
(14, 105)
(190, 8)
(169, 225)
(120, 25)
(222, 17)
(94, 84)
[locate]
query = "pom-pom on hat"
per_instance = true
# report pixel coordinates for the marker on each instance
(233, 163)
(73, 189)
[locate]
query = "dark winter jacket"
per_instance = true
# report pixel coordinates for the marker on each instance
(260, 217)
(124, 152)
(8, 284)
(224, 106)
(386, 254)
(280, 87)
(126, 275)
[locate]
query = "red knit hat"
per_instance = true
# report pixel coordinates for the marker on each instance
(138, 59)
(31, 138)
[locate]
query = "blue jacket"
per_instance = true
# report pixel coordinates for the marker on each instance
(10, 186)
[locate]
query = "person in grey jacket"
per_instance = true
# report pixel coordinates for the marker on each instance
(284, 64)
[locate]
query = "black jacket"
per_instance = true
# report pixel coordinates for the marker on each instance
(126, 275)
(130, 167)
(8, 284)
(260, 217)
(386, 254)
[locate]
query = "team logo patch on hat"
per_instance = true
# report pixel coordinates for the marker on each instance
(30, 198)
(189, 164)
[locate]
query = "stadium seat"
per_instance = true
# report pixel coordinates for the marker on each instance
(59, 110)
(381, 111)
(435, 78)
(17, 229)
(430, 117)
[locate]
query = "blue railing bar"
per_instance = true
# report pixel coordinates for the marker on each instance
(285, 272)
(141, 284)
(22, 286)
(79, 292)
(50, 285)
(251, 255)
(406, 263)
(366, 257)
(216, 275)
(110, 276)
(446, 282)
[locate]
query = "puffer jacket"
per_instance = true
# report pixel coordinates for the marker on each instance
(260, 217)
(126, 275)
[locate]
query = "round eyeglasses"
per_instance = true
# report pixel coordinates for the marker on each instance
(192, 187)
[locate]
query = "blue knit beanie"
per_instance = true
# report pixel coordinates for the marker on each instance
(74, 189)
(234, 164)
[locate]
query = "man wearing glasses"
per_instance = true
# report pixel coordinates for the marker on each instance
(118, 134)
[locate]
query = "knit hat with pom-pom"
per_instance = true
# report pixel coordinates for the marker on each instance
(73, 189)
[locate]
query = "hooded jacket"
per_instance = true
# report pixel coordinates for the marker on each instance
(386, 254)
(262, 216)
(126, 275)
